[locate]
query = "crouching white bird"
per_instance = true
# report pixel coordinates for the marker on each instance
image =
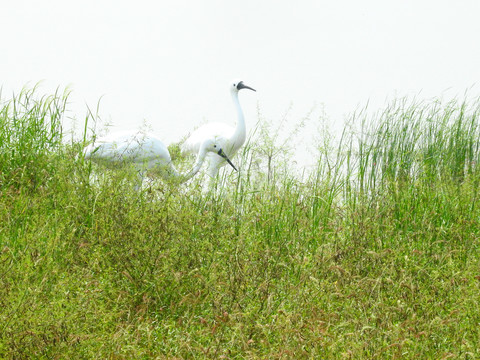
(147, 152)
(228, 137)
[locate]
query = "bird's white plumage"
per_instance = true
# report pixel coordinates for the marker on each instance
(146, 152)
(230, 138)
(219, 130)
(132, 147)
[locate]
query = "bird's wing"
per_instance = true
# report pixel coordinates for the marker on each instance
(207, 131)
(128, 147)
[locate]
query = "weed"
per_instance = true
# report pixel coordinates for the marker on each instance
(372, 254)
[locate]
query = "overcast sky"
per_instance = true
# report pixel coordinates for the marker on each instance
(169, 63)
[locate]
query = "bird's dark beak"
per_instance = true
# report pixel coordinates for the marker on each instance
(222, 154)
(241, 86)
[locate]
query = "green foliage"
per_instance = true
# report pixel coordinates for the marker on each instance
(30, 131)
(373, 255)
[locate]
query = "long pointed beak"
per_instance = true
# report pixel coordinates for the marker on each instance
(241, 85)
(222, 154)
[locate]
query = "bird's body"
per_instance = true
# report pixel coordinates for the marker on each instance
(229, 138)
(146, 152)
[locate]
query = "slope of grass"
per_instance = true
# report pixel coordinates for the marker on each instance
(373, 255)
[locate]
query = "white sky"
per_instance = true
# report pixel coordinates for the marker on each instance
(170, 62)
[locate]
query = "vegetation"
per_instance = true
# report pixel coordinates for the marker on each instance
(373, 254)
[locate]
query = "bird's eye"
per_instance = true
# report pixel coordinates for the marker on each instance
(214, 146)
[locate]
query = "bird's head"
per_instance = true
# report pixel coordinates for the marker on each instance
(237, 85)
(213, 146)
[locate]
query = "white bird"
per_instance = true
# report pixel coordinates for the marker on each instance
(228, 137)
(147, 152)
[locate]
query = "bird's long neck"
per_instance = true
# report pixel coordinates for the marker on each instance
(240, 131)
(196, 167)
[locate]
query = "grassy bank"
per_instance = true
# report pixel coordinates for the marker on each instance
(374, 254)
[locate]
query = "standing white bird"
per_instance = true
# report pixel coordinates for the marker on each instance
(228, 137)
(147, 152)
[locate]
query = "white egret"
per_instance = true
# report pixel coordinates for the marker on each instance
(147, 152)
(228, 137)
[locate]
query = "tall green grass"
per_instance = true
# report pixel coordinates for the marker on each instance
(373, 254)
(30, 130)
